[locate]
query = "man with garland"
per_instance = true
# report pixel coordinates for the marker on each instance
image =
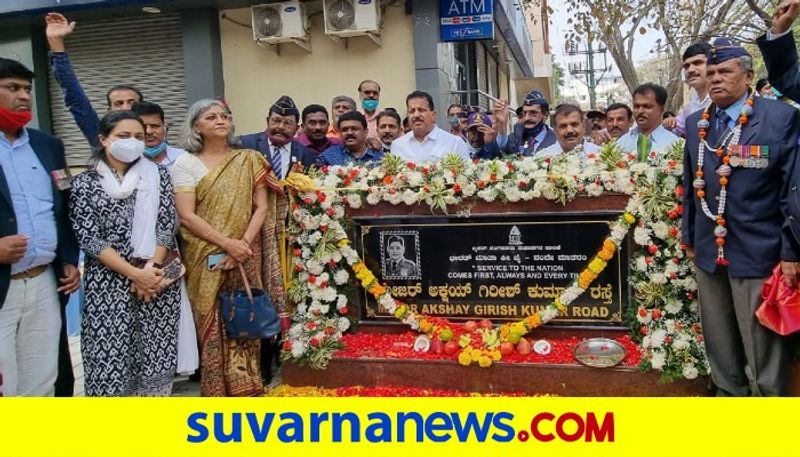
(738, 157)
(570, 130)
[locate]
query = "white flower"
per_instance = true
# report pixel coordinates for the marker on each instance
(414, 179)
(660, 229)
(410, 197)
(689, 371)
(343, 324)
(341, 301)
(658, 360)
(673, 306)
(314, 267)
(354, 200)
(373, 197)
(298, 348)
(658, 337)
(658, 278)
(341, 277)
(641, 235)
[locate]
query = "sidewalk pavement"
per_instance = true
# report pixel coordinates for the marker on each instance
(183, 387)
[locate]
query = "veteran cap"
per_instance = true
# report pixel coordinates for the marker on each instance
(285, 106)
(724, 49)
(535, 97)
(475, 119)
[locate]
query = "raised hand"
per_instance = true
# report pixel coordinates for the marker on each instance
(58, 28)
(785, 14)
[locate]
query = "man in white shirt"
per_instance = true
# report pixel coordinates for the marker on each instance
(694, 72)
(426, 142)
(570, 130)
(648, 135)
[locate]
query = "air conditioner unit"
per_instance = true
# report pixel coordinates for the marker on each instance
(276, 23)
(346, 18)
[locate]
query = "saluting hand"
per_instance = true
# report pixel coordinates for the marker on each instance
(12, 248)
(785, 14)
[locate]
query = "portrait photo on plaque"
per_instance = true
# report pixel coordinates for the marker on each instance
(400, 256)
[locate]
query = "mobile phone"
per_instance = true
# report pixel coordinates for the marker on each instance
(214, 259)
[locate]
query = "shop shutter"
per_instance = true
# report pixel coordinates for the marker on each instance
(143, 51)
(494, 86)
(483, 81)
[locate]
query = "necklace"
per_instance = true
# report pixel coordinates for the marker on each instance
(724, 171)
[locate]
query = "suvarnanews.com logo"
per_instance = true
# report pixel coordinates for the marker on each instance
(380, 427)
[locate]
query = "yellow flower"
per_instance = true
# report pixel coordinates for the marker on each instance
(597, 265)
(533, 321)
(400, 312)
(484, 362)
(514, 338)
(358, 267)
(425, 326)
(475, 354)
(559, 305)
(465, 357)
(629, 218)
(606, 255)
(495, 355)
(344, 242)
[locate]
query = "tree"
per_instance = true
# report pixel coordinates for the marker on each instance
(558, 82)
(620, 23)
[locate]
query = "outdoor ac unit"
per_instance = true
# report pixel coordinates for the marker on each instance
(276, 23)
(346, 18)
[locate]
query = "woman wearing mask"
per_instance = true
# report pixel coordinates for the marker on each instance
(222, 199)
(123, 213)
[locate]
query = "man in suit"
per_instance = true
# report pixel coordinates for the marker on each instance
(38, 251)
(531, 133)
(737, 237)
(398, 265)
(779, 50)
(277, 142)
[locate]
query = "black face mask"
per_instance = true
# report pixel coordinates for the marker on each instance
(532, 132)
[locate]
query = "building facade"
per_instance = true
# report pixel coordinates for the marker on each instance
(180, 51)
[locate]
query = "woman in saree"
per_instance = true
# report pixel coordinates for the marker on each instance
(221, 194)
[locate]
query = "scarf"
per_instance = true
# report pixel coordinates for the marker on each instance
(12, 121)
(143, 177)
(533, 132)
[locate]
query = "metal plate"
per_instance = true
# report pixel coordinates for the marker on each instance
(599, 352)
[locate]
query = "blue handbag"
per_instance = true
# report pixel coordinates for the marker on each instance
(249, 313)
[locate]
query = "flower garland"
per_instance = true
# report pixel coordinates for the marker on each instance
(322, 253)
(724, 170)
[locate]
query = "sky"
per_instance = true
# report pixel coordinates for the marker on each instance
(559, 29)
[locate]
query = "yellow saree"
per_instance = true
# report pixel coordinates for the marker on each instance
(224, 199)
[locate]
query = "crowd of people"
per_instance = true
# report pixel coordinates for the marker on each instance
(218, 200)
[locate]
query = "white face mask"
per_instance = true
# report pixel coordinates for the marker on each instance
(126, 149)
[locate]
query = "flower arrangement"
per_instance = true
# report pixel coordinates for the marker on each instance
(664, 318)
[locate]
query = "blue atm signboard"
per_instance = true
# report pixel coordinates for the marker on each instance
(464, 20)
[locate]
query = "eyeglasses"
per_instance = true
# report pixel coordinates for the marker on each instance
(14, 88)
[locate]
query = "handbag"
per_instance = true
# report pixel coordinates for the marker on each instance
(248, 313)
(780, 310)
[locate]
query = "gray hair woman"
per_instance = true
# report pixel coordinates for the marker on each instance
(221, 197)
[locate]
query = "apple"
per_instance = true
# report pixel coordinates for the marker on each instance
(470, 326)
(451, 347)
(486, 323)
(506, 348)
(524, 347)
(437, 346)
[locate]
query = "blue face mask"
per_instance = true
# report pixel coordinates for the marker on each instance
(155, 150)
(369, 105)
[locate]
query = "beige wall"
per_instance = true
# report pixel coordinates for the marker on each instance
(255, 76)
